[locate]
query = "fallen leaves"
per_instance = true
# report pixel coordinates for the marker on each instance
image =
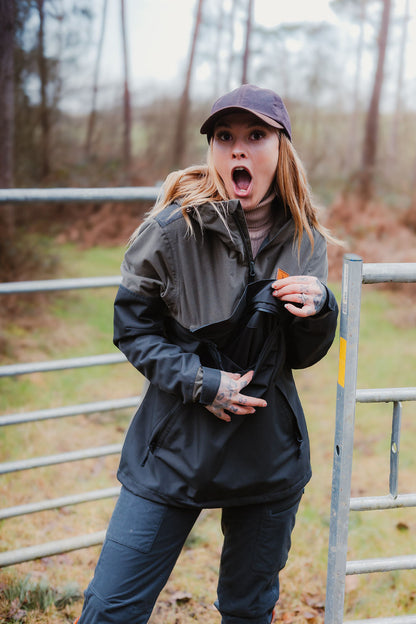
(402, 526)
(180, 597)
(309, 610)
(15, 612)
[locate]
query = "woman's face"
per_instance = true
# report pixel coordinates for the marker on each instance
(245, 152)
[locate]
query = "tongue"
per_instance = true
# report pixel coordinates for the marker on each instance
(242, 179)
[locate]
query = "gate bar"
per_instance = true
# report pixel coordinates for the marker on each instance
(377, 273)
(69, 410)
(400, 619)
(56, 503)
(12, 370)
(386, 395)
(374, 503)
(75, 283)
(61, 458)
(381, 564)
(51, 548)
(124, 194)
(395, 449)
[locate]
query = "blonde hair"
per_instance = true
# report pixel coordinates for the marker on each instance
(293, 188)
(201, 184)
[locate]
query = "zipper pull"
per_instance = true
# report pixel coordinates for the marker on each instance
(251, 273)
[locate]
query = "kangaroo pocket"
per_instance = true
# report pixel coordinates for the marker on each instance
(216, 462)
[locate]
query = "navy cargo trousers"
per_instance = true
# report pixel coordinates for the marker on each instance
(144, 540)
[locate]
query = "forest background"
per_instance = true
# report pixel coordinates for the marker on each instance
(72, 114)
(66, 119)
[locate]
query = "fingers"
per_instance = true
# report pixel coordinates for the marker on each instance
(302, 312)
(244, 401)
(222, 414)
(305, 294)
(229, 398)
(242, 404)
(232, 375)
(219, 413)
(296, 284)
(245, 379)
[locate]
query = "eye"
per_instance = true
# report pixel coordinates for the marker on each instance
(223, 135)
(257, 135)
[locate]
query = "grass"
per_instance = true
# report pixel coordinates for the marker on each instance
(26, 595)
(80, 323)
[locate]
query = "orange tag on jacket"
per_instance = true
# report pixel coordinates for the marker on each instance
(281, 274)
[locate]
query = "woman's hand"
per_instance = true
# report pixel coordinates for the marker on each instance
(305, 290)
(229, 397)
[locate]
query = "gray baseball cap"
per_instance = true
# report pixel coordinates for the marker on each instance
(264, 103)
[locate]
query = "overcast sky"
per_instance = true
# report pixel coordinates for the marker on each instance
(159, 33)
(161, 29)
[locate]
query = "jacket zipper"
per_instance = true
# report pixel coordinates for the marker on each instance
(247, 249)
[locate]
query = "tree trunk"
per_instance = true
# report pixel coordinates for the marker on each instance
(231, 45)
(44, 111)
(218, 46)
(179, 144)
(92, 116)
(371, 128)
(351, 155)
(7, 25)
(126, 99)
(7, 16)
(246, 57)
(399, 88)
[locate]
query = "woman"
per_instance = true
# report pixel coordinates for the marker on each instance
(223, 293)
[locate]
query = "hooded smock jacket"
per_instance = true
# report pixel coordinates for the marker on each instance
(190, 306)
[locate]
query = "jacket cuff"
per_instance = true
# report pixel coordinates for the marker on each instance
(211, 379)
(330, 304)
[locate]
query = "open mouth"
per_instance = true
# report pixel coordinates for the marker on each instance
(241, 179)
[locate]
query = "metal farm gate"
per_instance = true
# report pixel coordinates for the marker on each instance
(355, 273)
(20, 196)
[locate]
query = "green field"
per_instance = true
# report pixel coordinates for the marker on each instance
(79, 323)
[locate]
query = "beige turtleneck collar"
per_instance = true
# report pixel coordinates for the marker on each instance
(259, 222)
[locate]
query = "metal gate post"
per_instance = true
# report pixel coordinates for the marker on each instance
(344, 437)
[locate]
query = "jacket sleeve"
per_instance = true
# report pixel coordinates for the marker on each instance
(309, 339)
(139, 322)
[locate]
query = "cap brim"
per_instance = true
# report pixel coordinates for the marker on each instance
(208, 126)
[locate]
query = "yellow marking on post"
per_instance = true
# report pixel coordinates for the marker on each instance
(342, 357)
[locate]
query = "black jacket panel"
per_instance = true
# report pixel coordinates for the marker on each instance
(186, 304)
(140, 333)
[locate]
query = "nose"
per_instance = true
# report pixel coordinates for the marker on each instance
(239, 149)
(238, 152)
